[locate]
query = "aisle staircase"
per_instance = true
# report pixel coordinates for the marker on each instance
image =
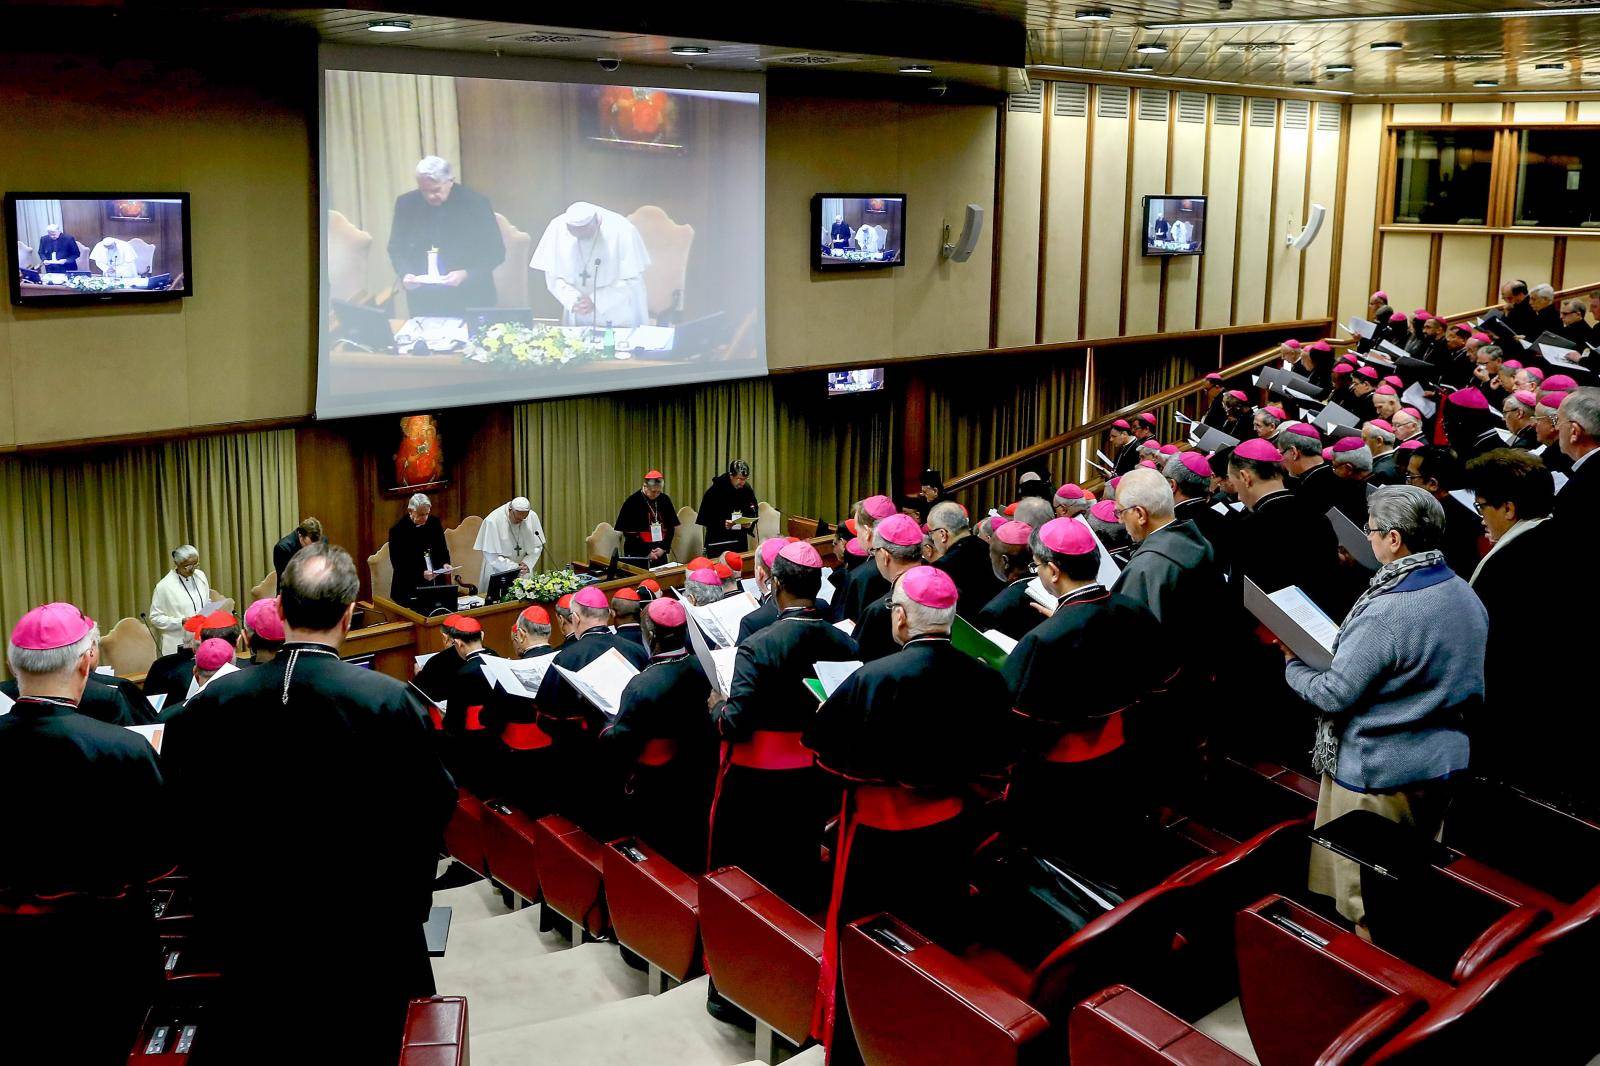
(535, 998)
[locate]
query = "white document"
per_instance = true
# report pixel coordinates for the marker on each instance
(1414, 398)
(602, 681)
(1466, 498)
(1351, 539)
(832, 674)
(1334, 415)
(6, 703)
(1505, 435)
(419, 661)
(152, 733)
(1221, 509)
(716, 664)
(222, 671)
(517, 677)
(1361, 327)
(106, 670)
(1300, 624)
(1560, 479)
(1041, 595)
(1559, 357)
(845, 626)
(157, 701)
(825, 590)
(750, 588)
(1002, 641)
(1394, 350)
(722, 661)
(1109, 570)
(1237, 505)
(1105, 459)
(1183, 419)
(720, 621)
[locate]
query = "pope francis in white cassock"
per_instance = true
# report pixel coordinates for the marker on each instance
(511, 538)
(594, 262)
(116, 259)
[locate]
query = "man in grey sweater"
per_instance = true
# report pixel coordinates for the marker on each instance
(1407, 670)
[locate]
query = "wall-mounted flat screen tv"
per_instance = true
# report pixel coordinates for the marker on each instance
(850, 382)
(852, 231)
(1174, 225)
(76, 247)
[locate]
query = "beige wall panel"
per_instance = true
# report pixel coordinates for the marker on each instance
(1290, 197)
(1528, 258)
(1418, 112)
(1103, 229)
(1149, 178)
(1358, 228)
(1480, 111)
(1183, 272)
(1583, 262)
(1539, 111)
(1256, 181)
(1404, 271)
(1463, 272)
(1019, 245)
(1324, 184)
(1064, 253)
(1223, 189)
(1589, 110)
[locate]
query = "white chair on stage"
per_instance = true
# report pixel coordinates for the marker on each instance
(768, 522)
(380, 572)
(688, 540)
(668, 243)
(265, 589)
(144, 255)
(128, 648)
(460, 540)
(602, 542)
(27, 256)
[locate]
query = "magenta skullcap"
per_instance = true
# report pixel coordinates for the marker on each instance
(1394, 379)
(1148, 418)
(1067, 536)
(1196, 463)
(899, 529)
(1421, 316)
(1511, 364)
(929, 586)
(1238, 394)
(879, 507)
(1412, 445)
(1368, 373)
(801, 553)
(1327, 453)
(1121, 423)
(705, 576)
(263, 619)
(1112, 484)
(1535, 372)
(1560, 383)
(1070, 491)
(1469, 399)
(667, 612)
(1551, 400)
(1463, 328)
(1214, 377)
(55, 625)
(1348, 444)
(1378, 297)
(1343, 368)
(1291, 343)
(1397, 317)
(212, 654)
(1481, 338)
(1525, 398)
(769, 550)
(1413, 412)
(1147, 464)
(1321, 346)
(591, 596)
(1276, 412)
(1258, 449)
(1014, 533)
(1169, 449)
(852, 547)
(1381, 423)
(996, 521)
(1387, 389)
(1105, 510)
(1303, 429)
(1151, 445)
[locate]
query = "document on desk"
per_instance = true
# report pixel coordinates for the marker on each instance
(1351, 539)
(1300, 624)
(1413, 396)
(602, 681)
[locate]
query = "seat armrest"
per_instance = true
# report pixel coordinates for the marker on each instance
(1496, 940)
(1372, 1030)
(1120, 1027)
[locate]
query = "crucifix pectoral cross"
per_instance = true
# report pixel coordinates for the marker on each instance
(584, 276)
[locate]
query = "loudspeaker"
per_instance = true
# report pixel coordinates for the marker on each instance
(1300, 241)
(971, 229)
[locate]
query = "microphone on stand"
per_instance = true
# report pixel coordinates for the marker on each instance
(594, 288)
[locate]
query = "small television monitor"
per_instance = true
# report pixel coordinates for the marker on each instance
(1174, 225)
(850, 382)
(856, 231)
(76, 247)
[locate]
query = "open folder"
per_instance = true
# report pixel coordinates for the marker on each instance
(1351, 539)
(964, 637)
(715, 663)
(1300, 624)
(830, 675)
(602, 681)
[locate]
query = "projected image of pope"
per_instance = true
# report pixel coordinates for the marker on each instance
(594, 262)
(444, 243)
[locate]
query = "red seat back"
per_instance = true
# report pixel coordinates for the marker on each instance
(763, 953)
(655, 907)
(435, 1033)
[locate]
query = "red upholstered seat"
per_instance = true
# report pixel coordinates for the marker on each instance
(508, 836)
(570, 863)
(763, 953)
(1119, 1027)
(463, 835)
(655, 907)
(436, 1032)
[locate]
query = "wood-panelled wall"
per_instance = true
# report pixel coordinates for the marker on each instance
(1079, 159)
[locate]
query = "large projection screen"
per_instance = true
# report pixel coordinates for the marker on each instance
(503, 229)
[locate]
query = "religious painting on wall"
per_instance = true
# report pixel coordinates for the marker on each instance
(128, 210)
(418, 457)
(632, 117)
(875, 205)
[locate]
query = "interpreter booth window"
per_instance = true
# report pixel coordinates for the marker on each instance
(1442, 177)
(1558, 178)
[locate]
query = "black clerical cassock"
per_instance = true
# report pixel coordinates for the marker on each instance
(862, 585)
(662, 749)
(521, 766)
(464, 231)
(85, 831)
(771, 802)
(967, 563)
(639, 516)
(109, 700)
(303, 764)
(1011, 611)
(411, 548)
(721, 501)
(469, 697)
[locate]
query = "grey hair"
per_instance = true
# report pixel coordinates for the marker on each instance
(701, 595)
(922, 619)
(1271, 418)
(1148, 489)
(1069, 508)
(53, 226)
(418, 502)
(1378, 432)
(1545, 411)
(47, 662)
(1401, 416)
(1491, 351)
(1543, 292)
(1575, 303)
(533, 629)
(183, 553)
(1516, 406)
(1034, 512)
(435, 168)
(1307, 446)
(1410, 511)
(1360, 458)
(904, 552)
(949, 516)
(1192, 484)
(1583, 407)
(597, 614)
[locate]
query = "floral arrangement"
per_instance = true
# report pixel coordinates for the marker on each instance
(517, 345)
(90, 283)
(547, 587)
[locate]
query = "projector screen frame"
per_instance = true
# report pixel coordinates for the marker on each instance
(1144, 222)
(816, 228)
(79, 299)
(380, 59)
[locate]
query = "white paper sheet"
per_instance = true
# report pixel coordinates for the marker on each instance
(1002, 641)
(1560, 479)
(750, 588)
(1361, 327)
(419, 661)
(157, 701)
(517, 677)
(6, 703)
(720, 621)
(1334, 415)
(152, 733)
(1041, 595)
(1109, 570)
(1466, 498)
(825, 591)
(716, 664)
(1413, 398)
(1300, 624)
(602, 681)
(1351, 539)
(832, 674)
(845, 626)
(106, 671)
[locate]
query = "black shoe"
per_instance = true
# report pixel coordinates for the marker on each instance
(723, 1010)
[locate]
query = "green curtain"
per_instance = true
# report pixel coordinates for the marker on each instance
(95, 528)
(577, 459)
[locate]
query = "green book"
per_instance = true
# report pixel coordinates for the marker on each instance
(965, 638)
(814, 687)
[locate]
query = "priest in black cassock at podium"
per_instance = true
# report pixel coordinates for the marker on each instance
(647, 521)
(416, 548)
(444, 243)
(309, 763)
(729, 499)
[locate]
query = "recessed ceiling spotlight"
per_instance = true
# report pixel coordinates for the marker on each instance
(1340, 68)
(1485, 83)
(916, 69)
(389, 26)
(689, 50)
(1549, 66)
(1093, 14)
(1151, 48)
(1387, 46)
(1141, 68)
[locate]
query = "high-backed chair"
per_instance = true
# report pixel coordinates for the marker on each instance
(460, 540)
(435, 1032)
(688, 540)
(802, 527)
(225, 601)
(348, 249)
(769, 522)
(380, 572)
(84, 262)
(27, 256)
(603, 541)
(668, 244)
(144, 254)
(128, 648)
(511, 276)
(266, 588)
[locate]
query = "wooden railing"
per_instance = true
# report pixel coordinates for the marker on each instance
(1101, 425)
